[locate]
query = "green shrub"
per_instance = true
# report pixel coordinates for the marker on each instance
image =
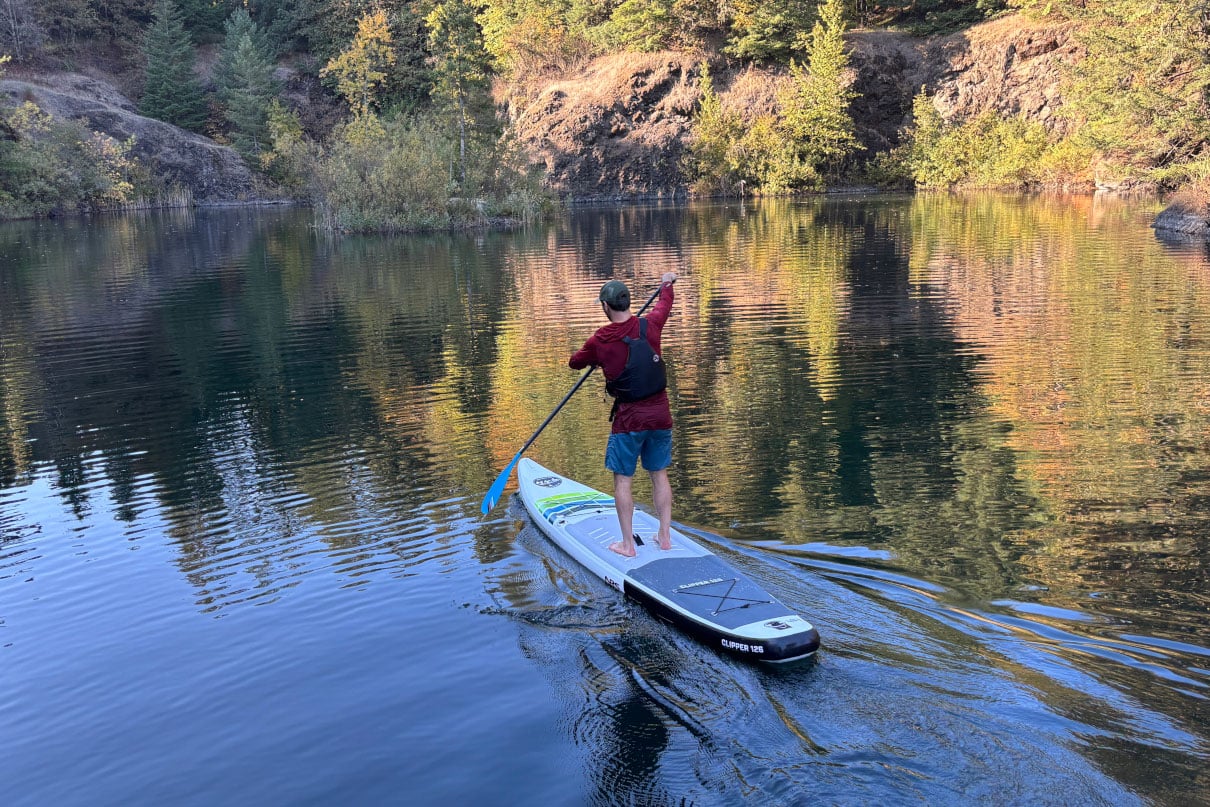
(380, 179)
(290, 158)
(708, 158)
(766, 158)
(988, 151)
(52, 165)
(811, 135)
(401, 175)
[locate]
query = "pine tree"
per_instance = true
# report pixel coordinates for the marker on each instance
(238, 25)
(716, 132)
(815, 110)
(1142, 87)
(244, 77)
(203, 19)
(767, 30)
(279, 19)
(529, 36)
(461, 71)
(171, 91)
(642, 25)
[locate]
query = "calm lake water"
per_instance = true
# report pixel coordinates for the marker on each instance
(242, 561)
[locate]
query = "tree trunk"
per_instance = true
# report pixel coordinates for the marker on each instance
(461, 138)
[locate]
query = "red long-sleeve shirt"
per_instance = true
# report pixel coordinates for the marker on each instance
(606, 349)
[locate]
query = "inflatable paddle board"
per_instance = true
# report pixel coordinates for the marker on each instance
(688, 585)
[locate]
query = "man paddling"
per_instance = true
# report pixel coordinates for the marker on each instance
(628, 351)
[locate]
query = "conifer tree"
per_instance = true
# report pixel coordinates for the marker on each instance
(815, 109)
(1143, 86)
(280, 21)
(203, 19)
(171, 91)
(244, 77)
(529, 36)
(642, 25)
(460, 67)
(239, 24)
(767, 30)
(712, 149)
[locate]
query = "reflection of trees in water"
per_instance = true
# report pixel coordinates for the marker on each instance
(224, 360)
(937, 375)
(829, 401)
(1094, 345)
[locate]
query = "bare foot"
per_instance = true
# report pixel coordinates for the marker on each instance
(665, 541)
(622, 549)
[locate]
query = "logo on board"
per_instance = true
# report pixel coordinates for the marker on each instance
(548, 481)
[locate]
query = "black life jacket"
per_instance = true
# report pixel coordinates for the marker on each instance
(644, 374)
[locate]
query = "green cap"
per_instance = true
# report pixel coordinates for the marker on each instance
(616, 295)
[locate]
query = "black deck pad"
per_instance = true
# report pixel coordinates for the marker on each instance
(710, 589)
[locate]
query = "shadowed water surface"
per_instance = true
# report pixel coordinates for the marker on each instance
(241, 558)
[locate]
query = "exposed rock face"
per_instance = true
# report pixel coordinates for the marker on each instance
(889, 69)
(1011, 65)
(617, 127)
(213, 173)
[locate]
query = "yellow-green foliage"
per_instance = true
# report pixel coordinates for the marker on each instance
(809, 136)
(711, 161)
(769, 160)
(383, 179)
(48, 165)
(392, 176)
(1142, 86)
(394, 173)
(360, 70)
(725, 151)
(527, 37)
(290, 156)
(988, 151)
(815, 104)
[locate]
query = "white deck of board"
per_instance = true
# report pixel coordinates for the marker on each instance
(597, 530)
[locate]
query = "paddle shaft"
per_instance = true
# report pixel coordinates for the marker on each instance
(580, 383)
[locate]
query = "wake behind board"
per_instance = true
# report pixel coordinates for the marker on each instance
(688, 585)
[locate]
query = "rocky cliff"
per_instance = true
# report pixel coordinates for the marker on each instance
(616, 127)
(211, 172)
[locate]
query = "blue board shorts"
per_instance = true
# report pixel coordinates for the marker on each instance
(623, 451)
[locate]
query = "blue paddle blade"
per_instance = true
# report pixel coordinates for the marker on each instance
(497, 489)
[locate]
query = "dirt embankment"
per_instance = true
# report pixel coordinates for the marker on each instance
(617, 127)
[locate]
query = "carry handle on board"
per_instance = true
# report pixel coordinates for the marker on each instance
(497, 489)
